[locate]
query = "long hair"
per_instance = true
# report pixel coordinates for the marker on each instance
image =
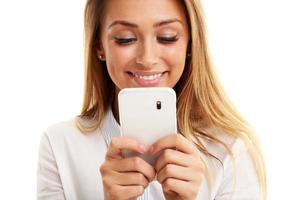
(201, 101)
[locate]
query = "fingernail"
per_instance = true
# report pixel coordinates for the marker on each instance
(142, 149)
(151, 150)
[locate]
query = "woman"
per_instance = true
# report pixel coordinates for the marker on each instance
(150, 43)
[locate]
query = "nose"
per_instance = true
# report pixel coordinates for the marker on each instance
(147, 54)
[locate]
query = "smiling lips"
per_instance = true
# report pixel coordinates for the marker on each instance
(147, 79)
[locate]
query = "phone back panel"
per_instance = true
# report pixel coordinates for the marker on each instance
(143, 118)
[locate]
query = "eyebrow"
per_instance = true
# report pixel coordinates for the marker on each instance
(130, 24)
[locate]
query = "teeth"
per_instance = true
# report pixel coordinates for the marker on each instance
(148, 78)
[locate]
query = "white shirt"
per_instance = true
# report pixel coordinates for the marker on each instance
(69, 162)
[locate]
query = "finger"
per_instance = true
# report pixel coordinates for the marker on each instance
(128, 192)
(133, 164)
(119, 143)
(177, 172)
(130, 178)
(176, 141)
(183, 188)
(170, 156)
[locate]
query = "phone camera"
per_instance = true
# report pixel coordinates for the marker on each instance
(158, 105)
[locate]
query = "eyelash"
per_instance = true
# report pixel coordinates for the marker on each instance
(167, 39)
(127, 41)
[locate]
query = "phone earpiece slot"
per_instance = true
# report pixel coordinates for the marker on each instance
(158, 105)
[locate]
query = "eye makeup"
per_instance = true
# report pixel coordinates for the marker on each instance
(167, 39)
(124, 40)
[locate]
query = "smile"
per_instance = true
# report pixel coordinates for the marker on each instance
(148, 77)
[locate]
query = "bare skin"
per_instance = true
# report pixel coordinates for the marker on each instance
(125, 178)
(179, 168)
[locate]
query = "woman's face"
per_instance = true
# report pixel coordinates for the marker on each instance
(144, 42)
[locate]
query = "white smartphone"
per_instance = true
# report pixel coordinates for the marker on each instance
(147, 115)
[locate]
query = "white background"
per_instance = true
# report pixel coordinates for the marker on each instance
(255, 46)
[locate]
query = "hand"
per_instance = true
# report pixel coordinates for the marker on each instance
(179, 171)
(125, 178)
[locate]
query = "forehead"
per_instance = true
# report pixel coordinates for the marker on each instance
(143, 12)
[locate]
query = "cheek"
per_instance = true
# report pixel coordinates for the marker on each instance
(117, 62)
(118, 57)
(176, 62)
(176, 58)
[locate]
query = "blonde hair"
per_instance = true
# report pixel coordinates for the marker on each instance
(201, 101)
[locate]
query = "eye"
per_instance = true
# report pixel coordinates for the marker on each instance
(124, 41)
(167, 39)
